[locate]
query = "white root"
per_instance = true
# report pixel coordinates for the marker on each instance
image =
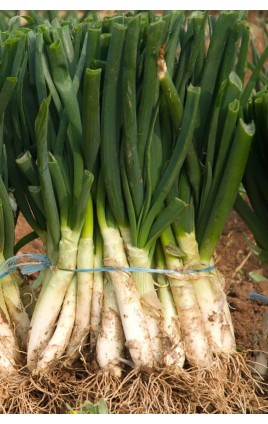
(80, 331)
(215, 312)
(12, 305)
(58, 342)
(128, 300)
(152, 307)
(110, 343)
(16, 310)
(193, 333)
(7, 365)
(9, 349)
(50, 301)
(97, 301)
(211, 299)
(174, 354)
(195, 341)
(261, 365)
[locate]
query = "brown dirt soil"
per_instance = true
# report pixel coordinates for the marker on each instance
(235, 262)
(23, 228)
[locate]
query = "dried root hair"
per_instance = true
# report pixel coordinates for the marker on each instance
(227, 387)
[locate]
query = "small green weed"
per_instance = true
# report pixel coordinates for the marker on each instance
(90, 408)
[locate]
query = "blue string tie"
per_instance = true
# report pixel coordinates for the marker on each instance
(258, 297)
(34, 264)
(37, 262)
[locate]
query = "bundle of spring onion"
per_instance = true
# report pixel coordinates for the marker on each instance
(54, 193)
(14, 319)
(255, 215)
(193, 147)
(254, 209)
(138, 104)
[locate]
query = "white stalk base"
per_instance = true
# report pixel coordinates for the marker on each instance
(58, 342)
(152, 307)
(50, 301)
(18, 315)
(128, 300)
(174, 354)
(215, 312)
(80, 332)
(212, 302)
(194, 338)
(97, 301)
(110, 343)
(9, 349)
(193, 333)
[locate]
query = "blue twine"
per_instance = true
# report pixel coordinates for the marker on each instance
(147, 270)
(41, 262)
(258, 297)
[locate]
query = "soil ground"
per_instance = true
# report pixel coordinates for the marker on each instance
(236, 262)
